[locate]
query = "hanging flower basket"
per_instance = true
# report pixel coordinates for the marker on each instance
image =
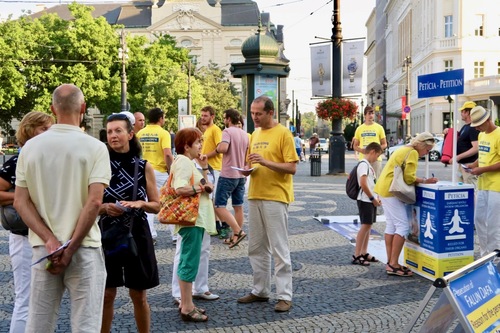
(336, 108)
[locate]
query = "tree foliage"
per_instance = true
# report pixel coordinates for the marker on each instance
(37, 55)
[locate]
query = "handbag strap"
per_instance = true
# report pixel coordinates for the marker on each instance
(134, 193)
(171, 176)
(403, 165)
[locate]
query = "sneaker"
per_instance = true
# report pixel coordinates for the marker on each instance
(207, 296)
(250, 298)
(283, 306)
(218, 227)
(224, 233)
(177, 300)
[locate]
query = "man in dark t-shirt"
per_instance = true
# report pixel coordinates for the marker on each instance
(467, 144)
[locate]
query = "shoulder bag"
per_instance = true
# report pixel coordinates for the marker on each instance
(117, 240)
(178, 209)
(11, 220)
(399, 188)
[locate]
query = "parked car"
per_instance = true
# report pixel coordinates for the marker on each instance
(323, 145)
(434, 154)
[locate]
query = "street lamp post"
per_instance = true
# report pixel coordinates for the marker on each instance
(336, 151)
(122, 54)
(406, 68)
(362, 111)
(372, 94)
(384, 110)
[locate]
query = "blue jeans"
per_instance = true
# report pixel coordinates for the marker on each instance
(230, 187)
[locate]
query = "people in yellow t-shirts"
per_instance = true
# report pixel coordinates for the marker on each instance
(157, 150)
(211, 138)
(367, 133)
(274, 159)
(487, 167)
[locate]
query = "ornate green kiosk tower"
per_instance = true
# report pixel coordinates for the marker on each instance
(261, 72)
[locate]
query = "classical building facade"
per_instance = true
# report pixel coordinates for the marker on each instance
(212, 30)
(409, 38)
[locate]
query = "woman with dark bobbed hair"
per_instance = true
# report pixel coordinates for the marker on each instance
(136, 272)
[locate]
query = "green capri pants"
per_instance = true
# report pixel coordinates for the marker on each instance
(189, 261)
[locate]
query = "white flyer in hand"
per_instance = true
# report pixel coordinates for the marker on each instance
(241, 169)
(65, 245)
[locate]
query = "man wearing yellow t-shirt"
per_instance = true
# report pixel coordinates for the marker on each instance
(211, 138)
(487, 167)
(156, 149)
(367, 133)
(274, 161)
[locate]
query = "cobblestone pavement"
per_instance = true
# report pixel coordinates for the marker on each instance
(330, 294)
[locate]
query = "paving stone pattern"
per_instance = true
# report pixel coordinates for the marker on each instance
(330, 294)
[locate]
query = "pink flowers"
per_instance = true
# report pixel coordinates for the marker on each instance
(336, 108)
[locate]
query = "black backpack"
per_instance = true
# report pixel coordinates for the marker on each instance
(352, 187)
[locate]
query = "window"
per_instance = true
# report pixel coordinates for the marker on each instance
(194, 59)
(448, 26)
(186, 43)
(235, 42)
(498, 68)
(478, 69)
(448, 65)
(478, 25)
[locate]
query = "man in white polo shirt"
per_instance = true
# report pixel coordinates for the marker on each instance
(59, 190)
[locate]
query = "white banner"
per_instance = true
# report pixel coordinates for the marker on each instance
(321, 76)
(352, 67)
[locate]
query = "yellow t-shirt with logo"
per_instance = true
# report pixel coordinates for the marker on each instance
(211, 138)
(367, 134)
(489, 154)
(154, 139)
(275, 144)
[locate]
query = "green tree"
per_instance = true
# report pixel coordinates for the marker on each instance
(217, 91)
(37, 55)
(308, 122)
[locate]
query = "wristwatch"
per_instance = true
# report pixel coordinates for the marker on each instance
(203, 181)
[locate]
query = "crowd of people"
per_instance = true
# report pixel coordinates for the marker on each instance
(70, 203)
(114, 185)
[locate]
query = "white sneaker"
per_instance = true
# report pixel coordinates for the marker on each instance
(177, 300)
(208, 296)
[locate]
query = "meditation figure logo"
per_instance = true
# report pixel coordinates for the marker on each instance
(428, 227)
(456, 220)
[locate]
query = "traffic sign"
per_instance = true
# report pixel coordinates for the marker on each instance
(407, 109)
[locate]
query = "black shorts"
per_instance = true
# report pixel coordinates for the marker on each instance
(367, 212)
(139, 273)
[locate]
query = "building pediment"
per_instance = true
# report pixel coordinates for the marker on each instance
(185, 18)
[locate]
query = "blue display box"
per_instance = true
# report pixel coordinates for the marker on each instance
(446, 220)
(441, 237)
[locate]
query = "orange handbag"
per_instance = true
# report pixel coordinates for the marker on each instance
(178, 209)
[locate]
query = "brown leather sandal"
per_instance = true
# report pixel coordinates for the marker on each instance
(239, 237)
(194, 316)
(200, 310)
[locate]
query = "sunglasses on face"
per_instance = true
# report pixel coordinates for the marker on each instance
(118, 116)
